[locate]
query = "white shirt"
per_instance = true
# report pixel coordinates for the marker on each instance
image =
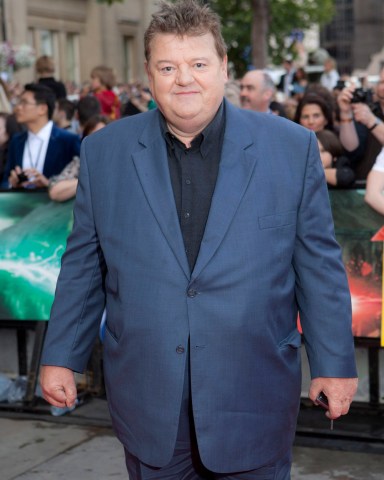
(329, 79)
(379, 163)
(35, 148)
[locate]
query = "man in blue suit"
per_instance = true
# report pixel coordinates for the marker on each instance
(43, 150)
(204, 229)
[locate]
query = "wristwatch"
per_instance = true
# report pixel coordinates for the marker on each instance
(377, 122)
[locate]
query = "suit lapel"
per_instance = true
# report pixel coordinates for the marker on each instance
(152, 169)
(50, 156)
(236, 167)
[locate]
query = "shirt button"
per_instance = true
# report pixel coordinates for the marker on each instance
(187, 215)
(180, 349)
(191, 293)
(188, 182)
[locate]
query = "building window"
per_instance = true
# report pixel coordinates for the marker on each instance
(48, 43)
(73, 58)
(129, 45)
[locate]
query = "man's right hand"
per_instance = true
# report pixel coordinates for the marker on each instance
(13, 178)
(58, 386)
(344, 100)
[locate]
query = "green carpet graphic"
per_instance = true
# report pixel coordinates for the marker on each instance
(33, 234)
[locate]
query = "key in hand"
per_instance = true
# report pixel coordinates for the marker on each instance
(322, 400)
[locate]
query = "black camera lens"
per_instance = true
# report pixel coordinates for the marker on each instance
(362, 95)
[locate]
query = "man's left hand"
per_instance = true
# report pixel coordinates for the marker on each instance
(340, 393)
(37, 179)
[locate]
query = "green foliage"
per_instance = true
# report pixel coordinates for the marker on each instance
(236, 18)
(284, 17)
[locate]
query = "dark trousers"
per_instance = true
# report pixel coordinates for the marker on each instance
(186, 465)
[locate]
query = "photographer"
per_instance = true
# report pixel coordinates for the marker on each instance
(361, 125)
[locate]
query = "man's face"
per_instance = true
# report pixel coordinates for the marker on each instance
(27, 110)
(252, 94)
(186, 78)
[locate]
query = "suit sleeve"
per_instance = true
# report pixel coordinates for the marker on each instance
(322, 290)
(80, 294)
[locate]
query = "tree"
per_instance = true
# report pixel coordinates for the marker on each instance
(253, 27)
(110, 2)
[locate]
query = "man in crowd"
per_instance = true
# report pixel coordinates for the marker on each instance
(87, 107)
(64, 114)
(330, 76)
(257, 91)
(204, 239)
(287, 80)
(361, 125)
(43, 149)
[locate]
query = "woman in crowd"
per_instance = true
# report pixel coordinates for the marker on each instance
(62, 187)
(337, 168)
(375, 185)
(314, 112)
(300, 84)
(8, 127)
(102, 82)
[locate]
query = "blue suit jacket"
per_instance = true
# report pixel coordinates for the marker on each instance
(268, 251)
(62, 147)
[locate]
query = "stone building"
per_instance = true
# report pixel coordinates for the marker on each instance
(80, 34)
(355, 37)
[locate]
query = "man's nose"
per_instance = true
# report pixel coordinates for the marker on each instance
(184, 76)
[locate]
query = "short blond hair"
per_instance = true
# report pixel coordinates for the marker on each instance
(45, 64)
(105, 75)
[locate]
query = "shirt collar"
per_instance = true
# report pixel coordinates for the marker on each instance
(205, 139)
(44, 133)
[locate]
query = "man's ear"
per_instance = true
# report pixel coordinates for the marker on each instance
(42, 109)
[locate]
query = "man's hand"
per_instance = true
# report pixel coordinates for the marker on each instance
(363, 114)
(340, 393)
(36, 178)
(344, 100)
(58, 386)
(13, 178)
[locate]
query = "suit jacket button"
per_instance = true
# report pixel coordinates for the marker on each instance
(180, 349)
(191, 293)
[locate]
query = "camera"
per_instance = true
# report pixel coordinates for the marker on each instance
(362, 95)
(340, 84)
(22, 177)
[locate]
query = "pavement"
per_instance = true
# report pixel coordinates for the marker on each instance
(81, 446)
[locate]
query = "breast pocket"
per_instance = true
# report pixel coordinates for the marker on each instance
(277, 220)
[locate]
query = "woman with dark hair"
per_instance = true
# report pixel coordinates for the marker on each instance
(62, 187)
(314, 112)
(337, 168)
(8, 127)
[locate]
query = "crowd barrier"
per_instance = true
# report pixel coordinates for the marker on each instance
(33, 233)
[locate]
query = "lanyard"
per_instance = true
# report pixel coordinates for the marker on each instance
(35, 163)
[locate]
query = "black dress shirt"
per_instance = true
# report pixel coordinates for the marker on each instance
(193, 173)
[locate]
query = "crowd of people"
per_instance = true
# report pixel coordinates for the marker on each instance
(43, 123)
(346, 118)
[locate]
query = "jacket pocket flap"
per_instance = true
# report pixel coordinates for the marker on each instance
(278, 220)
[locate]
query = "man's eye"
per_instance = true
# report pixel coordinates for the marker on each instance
(199, 65)
(166, 69)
